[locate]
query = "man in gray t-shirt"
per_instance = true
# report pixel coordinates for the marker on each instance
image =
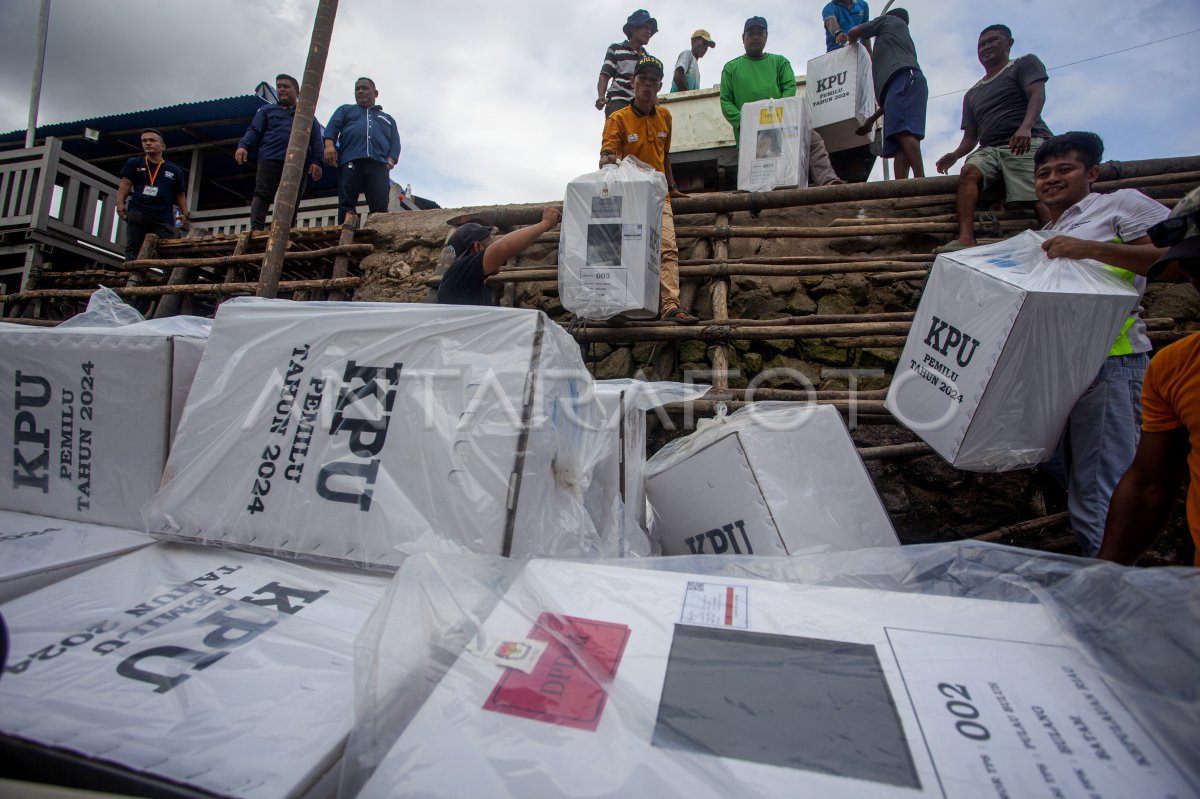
(1002, 114)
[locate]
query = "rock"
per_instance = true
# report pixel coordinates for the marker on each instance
(1179, 301)
(752, 362)
(759, 303)
(601, 350)
(872, 358)
(835, 304)
(693, 351)
(619, 364)
(643, 352)
(791, 373)
(800, 304)
(854, 244)
(778, 344)
(812, 349)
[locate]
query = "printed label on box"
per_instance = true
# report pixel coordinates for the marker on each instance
(567, 685)
(715, 605)
(631, 232)
(520, 654)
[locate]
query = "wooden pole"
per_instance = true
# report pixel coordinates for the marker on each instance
(215, 261)
(243, 244)
(137, 274)
(719, 353)
(196, 288)
(298, 147)
(1012, 531)
(341, 264)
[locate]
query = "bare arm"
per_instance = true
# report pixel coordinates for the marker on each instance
(672, 189)
(514, 243)
(601, 90)
(1036, 94)
(969, 140)
(1142, 502)
(680, 79)
(1137, 256)
(123, 195)
(831, 25)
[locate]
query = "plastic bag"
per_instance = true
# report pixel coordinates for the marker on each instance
(773, 144)
(105, 309)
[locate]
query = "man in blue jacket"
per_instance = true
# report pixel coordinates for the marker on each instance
(269, 134)
(364, 142)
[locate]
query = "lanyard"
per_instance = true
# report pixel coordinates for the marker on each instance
(152, 175)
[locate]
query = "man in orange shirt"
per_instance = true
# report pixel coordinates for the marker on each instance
(1170, 442)
(643, 130)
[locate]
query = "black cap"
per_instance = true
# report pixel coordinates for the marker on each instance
(649, 63)
(755, 22)
(639, 18)
(466, 235)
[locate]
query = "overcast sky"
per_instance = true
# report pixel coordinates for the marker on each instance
(494, 100)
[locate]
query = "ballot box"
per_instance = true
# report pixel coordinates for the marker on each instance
(841, 96)
(773, 144)
(1004, 342)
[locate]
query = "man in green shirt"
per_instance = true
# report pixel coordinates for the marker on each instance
(765, 76)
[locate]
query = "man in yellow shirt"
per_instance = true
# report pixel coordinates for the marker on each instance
(643, 130)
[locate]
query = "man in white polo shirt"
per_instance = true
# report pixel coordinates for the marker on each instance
(1102, 432)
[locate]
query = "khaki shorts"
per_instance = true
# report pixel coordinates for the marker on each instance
(998, 163)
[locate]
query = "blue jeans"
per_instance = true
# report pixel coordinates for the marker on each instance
(1098, 445)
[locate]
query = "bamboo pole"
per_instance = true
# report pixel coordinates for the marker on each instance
(827, 232)
(1012, 531)
(341, 264)
(243, 244)
(708, 406)
(137, 269)
(297, 152)
(217, 261)
(898, 277)
(719, 353)
(197, 288)
(889, 452)
(783, 260)
(14, 320)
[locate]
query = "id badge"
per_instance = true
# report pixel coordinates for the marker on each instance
(150, 191)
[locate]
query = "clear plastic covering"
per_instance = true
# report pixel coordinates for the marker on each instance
(93, 411)
(772, 478)
(610, 243)
(354, 433)
(177, 666)
(841, 95)
(618, 487)
(1004, 342)
(947, 670)
(38, 550)
(105, 309)
(773, 144)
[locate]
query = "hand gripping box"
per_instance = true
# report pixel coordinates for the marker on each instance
(841, 95)
(770, 479)
(36, 551)
(1004, 342)
(183, 671)
(350, 433)
(609, 248)
(682, 680)
(773, 144)
(90, 415)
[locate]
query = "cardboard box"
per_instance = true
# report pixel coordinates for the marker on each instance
(610, 244)
(36, 551)
(771, 479)
(179, 670)
(841, 96)
(1004, 342)
(773, 144)
(92, 414)
(351, 433)
(677, 684)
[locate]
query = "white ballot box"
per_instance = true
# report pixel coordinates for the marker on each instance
(607, 680)
(181, 670)
(91, 414)
(36, 551)
(351, 433)
(610, 243)
(770, 479)
(1004, 342)
(841, 95)
(773, 144)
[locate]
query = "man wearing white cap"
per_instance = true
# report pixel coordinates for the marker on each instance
(687, 66)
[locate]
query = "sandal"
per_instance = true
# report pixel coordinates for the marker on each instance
(679, 317)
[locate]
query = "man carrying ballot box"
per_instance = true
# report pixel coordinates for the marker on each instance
(643, 130)
(1102, 430)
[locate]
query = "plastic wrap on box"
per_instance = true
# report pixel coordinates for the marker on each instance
(618, 486)
(947, 670)
(1004, 342)
(93, 411)
(611, 242)
(770, 479)
(352, 433)
(841, 95)
(773, 149)
(105, 308)
(177, 666)
(36, 551)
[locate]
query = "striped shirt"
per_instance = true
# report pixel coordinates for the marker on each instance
(619, 61)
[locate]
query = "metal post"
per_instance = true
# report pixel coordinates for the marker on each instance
(297, 151)
(39, 59)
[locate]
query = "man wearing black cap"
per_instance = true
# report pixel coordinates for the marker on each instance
(758, 75)
(619, 61)
(477, 257)
(643, 130)
(1170, 442)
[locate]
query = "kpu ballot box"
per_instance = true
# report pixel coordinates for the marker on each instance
(770, 479)
(91, 413)
(1004, 342)
(841, 95)
(351, 433)
(601, 680)
(773, 144)
(185, 671)
(610, 244)
(36, 551)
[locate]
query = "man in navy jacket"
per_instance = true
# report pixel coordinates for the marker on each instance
(364, 142)
(269, 133)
